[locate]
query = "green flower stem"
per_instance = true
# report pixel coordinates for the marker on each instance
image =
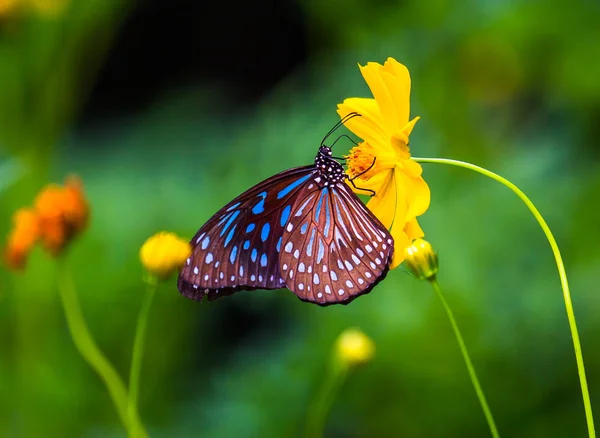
(468, 363)
(138, 349)
(561, 272)
(321, 405)
(89, 350)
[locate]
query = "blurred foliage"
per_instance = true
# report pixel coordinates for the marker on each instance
(512, 86)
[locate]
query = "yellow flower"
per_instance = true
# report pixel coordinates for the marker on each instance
(353, 347)
(59, 214)
(164, 253)
(422, 260)
(381, 162)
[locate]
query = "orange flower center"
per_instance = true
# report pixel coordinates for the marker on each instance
(361, 161)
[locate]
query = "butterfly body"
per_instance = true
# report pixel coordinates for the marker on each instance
(303, 229)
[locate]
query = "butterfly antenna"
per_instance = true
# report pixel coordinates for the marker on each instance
(338, 124)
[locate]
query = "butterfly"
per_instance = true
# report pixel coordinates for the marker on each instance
(303, 228)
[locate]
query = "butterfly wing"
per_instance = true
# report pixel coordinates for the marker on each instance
(238, 248)
(334, 249)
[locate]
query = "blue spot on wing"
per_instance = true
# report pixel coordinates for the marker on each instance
(279, 244)
(229, 222)
(254, 254)
(285, 215)
(230, 236)
(303, 228)
(250, 227)
(246, 244)
(205, 242)
(320, 203)
(327, 216)
(223, 219)
(264, 232)
(309, 247)
(263, 260)
(233, 206)
(292, 186)
(259, 208)
(233, 254)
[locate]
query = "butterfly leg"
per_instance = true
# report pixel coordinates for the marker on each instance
(371, 192)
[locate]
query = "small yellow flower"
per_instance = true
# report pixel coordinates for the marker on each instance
(422, 260)
(163, 253)
(59, 214)
(353, 347)
(382, 161)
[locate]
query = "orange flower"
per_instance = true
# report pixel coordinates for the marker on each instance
(63, 213)
(22, 238)
(59, 214)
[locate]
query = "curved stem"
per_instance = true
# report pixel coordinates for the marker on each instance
(468, 363)
(89, 350)
(320, 407)
(561, 272)
(138, 350)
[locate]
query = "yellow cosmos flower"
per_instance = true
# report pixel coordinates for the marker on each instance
(381, 162)
(163, 253)
(353, 347)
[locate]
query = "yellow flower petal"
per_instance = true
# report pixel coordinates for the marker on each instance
(372, 74)
(383, 204)
(368, 126)
(401, 241)
(417, 195)
(397, 81)
(413, 230)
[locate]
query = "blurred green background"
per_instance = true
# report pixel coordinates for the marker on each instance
(167, 110)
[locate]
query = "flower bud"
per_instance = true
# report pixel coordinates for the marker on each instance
(353, 347)
(164, 253)
(421, 260)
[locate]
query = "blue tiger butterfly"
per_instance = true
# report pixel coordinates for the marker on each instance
(303, 229)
